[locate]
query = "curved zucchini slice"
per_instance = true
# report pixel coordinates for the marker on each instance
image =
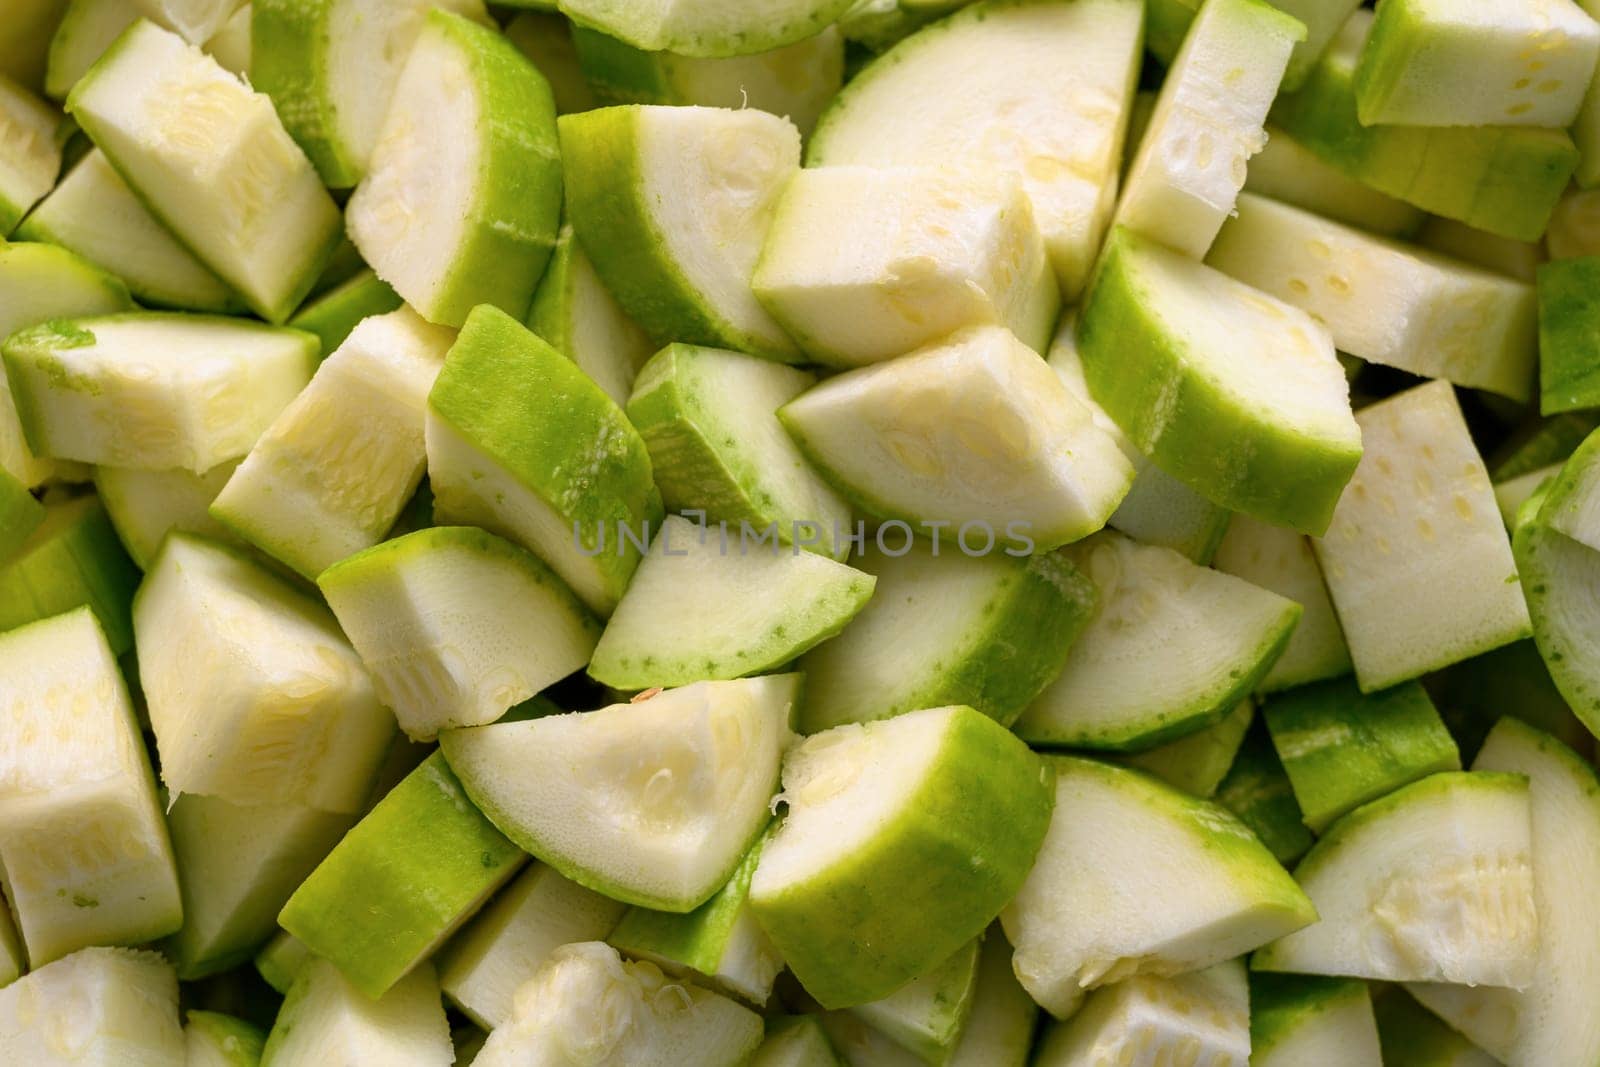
(327, 1018)
(334, 315)
(100, 1005)
(578, 316)
(87, 29)
(462, 196)
(1304, 1021)
(71, 559)
(1432, 883)
(709, 30)
(215, 1040)
(1203, 1016)
(144, 505)
(29, 129)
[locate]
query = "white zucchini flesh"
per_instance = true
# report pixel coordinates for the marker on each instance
(32, 156)
(973, 430)
(212, 161)
(1289, 172)
(1433, 882)
(87, 29)
(280, 961)
(325, 1020)
(928, 1014)
(107, 1006)
(1572, 503)
(1040, 90)
(1385, 302)
(1198, 762)
(330, 474)
(1208, 123)
(1171, 649)
(194, 20)
(1136, 878)
(144, 505)
(507, 943)
(863, 264)
(653, 802)
(1417, 561)
(1202, 1017)
(284, 709)
(457, 625)
(999, 1030)
(714, 29)
(1512, 493)
(214, 1040)
(648, 1019)
(230, 45)
(1552, 1022)
(1300, 1021)
(796, 1041)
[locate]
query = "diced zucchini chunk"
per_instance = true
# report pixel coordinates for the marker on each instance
(711, 30)
(96, 1008)
(1198, 762)
(25, 38)
(209, 157)
(230, 45)
(1038, 90)
(194, 20)
(327, 1018)
(462, 197)
(1257, 790)
(522, 443)
(85, 852)
(1385, 302)
(672, 205)
(144, 505)
(796, 1041)
(1569, 323)
(653, 802)
(546, 39)
(329, 476)
(863, 264)
(1342, 749)
(1412, 1034)
(1433, 882)
(281, 960)
(646, 1019)
(1207, 123)
(1136, 878)
(508, 942)
(859, 1045)
(215, 1040)
(335, 314)
(1203, 1016)
(1288, 171)
(1417, 561)
(710, 421)
(1574, 228)
(457, 625)
(973, 433)
(282, 709)
(574, 311)
(1461, 63)
(20, 514)
(87, 29)
(986, 631)
(71, 559)
(1304, 1021)
(927, 1015)
(1171, 648)
(1502, 255)
(32, 151)
(999, 1030)
(940, 811)
(1513, 680)
(153, 390)
(1541, 442)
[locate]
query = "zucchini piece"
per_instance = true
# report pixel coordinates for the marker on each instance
(193, 20)
(1342, 748)
(672, 205)
(25, 38)
(1413, 1035)
(87, 29)
(238, 866)
(1198, 762)
(1475, 694)
(1231, 391)
(864, 264)
(796, 80)
(1510, 495)
(230, 46)
(1281, 560)
(757, 609)
(1040, 90)
(1203, 1016)
(546, 39)
(1417, 561)
(331, 67)
(281, 960)
(215, 1040)
(1431, 883)
(989, 631)
(903, 840)
(1123, 840)
(574, 311)
(329, 476)
(283, 710)
(1303, 1021)
(709, 419)
(29, 130)
(709, 31)
(20, 514)
(1288, 171)
(1574, 228)
(999, 1030)
(795, 1041)
(1171, 649)
(144, 505)
(1502, 255)
(416, 867)
(1258, 792)
(1385, 302)
(522, 443)
(506, 943)
(209, 158)
(648, 1020)
(335, 314)
(70, 560)
(328, 1018)
(1170, 21)
(456, 625)
(154, 390)
(859, 1045)
(1502, 179)
(1560, 577)
(462, 197)
(1523, 63)
(95, 214)
(971, 433)
(1207, 124)
(1541, 442)
(1551, 1021)
(1569, 321)
(85, 852)
(928, 1015)
(101, 1007)
(653, 802)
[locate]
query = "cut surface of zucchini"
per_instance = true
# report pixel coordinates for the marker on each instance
(87, 29)
(1289, 172)
(144, 505)
(927, 1015)
(999, 1030)
(578, 316)
(326, 1018)
(98, 1006)
(1204, 1015)
(212, 1039)
(1198, 762)
(1569, 319)
(193, 20)
(230, 45)
(32, 158)
(1412, 1034)
(1304, 1021)
(69, 560)
(796, 1041)
(335, 314)
(710, 30)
